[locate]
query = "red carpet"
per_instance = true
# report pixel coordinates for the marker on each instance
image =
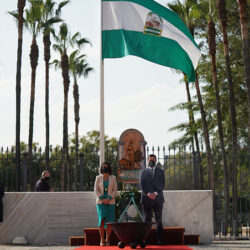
(128, 248)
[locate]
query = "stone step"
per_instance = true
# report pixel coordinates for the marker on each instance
(172, 236)
(191, 239)
(77, 240)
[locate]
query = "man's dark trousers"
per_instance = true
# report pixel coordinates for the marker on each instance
(151, 184)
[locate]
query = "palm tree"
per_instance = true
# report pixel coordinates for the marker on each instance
(206, 138)
(192, 121)
(245, 45)
(189, 15)
(19, 15)
(222, 12)
(49, 17)
(32, 23)
(212, 51)
(77, 67)
(63, 41)
(182, 9)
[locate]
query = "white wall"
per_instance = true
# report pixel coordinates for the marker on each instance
(192, 209)
(50, 218)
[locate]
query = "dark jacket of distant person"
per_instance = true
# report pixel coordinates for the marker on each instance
(42, 185)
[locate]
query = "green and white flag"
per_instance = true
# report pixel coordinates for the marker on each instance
(146, 29)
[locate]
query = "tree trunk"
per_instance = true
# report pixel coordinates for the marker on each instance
(20, 6)
(66, 81)
(192, 124)
(208, 150)
(46, 41)
(189, 110)
(212, 51)
(223, 20)
(206, 135)
(77, 120)
(245, 46)
(34, 53)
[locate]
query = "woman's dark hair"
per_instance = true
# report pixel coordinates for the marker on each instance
(107, 165)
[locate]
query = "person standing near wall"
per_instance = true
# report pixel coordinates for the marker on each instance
(1, 203)
(105, 190)
(152, 182)
(42, 185)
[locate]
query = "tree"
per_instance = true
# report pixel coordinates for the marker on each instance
(184, 127)
(190, 14)
(19, 15)
(49, 17)
(212, 51)
(63, 41)
(245, 47)
(222, 13)
(90, 147)
(32, 23)
(183, 10)
(77, 67)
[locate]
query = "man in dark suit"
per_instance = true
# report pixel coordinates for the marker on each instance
(152, 181)
(1, 203)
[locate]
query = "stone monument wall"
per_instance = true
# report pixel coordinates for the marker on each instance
(50, 218)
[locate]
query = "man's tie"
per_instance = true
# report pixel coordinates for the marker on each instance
(152, 171)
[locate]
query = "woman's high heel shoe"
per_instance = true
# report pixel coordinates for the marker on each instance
(107, 242)
(102, 243)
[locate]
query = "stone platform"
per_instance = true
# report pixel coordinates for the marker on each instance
(51, 218)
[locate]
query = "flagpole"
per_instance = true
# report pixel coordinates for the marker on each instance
(102, 158)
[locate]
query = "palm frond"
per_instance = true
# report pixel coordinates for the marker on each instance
(181, 106)
(33, 17)
(87, 71)
(58, 48)
(74, 37)
(50, 22)
(83, 41)
(14, 13)
(81, 57)
(56, 63)
(184, 140)
(60, 6)
(63, 31)
(184, 126)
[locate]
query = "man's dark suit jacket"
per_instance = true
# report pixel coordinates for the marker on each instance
(151, 184)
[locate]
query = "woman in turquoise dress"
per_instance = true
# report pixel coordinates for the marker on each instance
(105, 190)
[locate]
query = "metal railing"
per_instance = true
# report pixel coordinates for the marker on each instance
(184, 170)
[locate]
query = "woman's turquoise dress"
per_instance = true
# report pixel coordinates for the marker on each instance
(106, 212)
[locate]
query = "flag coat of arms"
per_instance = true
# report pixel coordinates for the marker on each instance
(148, 30)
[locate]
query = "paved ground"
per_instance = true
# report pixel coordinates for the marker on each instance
(225, 245)
(219, 245)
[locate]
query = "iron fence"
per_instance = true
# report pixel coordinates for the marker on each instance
(184, 170)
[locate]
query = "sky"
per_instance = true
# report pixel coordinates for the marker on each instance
(138, 93)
